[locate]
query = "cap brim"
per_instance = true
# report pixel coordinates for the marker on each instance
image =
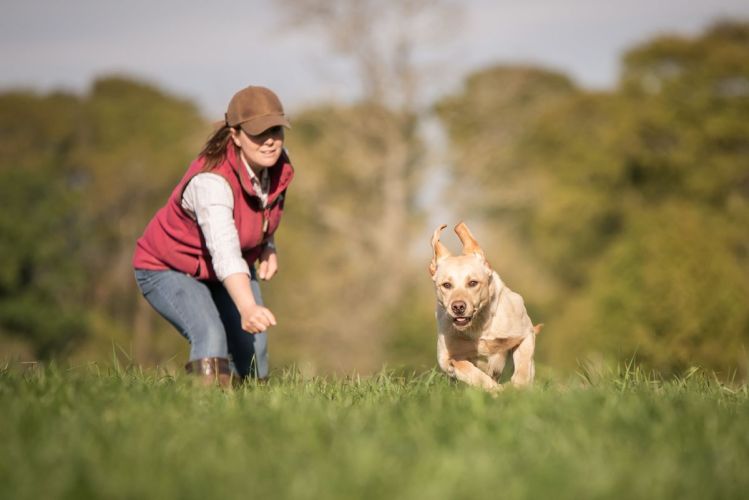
(258, 125)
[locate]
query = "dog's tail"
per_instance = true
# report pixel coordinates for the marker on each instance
(537, 328)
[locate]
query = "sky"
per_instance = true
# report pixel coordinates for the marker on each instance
(205, 51)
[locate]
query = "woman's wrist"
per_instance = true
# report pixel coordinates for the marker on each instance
(238, 286)
(246, 304)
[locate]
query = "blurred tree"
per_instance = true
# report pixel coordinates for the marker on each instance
(344, 229)
(669, 291)
(360, 167)
(40, 237)
(80, 176)
(134, 143)
(487, 122)
(685, 189)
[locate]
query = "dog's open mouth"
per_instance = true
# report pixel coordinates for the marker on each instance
(461, 321)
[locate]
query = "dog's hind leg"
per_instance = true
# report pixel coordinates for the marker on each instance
(467, 372)
(522, 357)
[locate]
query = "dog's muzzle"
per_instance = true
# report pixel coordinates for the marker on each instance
(457, 313)
(461, 320)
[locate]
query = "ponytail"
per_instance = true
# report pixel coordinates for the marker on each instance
(214, 151)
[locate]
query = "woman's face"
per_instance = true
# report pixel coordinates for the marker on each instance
(260, 151)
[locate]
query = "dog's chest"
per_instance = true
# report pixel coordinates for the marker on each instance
(460, 347)
(490, 346)
(471, 349)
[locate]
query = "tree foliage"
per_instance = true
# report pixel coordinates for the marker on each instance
(79, 177)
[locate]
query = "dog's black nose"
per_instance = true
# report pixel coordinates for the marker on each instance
(458, 307)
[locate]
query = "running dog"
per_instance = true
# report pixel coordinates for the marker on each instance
(479, 319)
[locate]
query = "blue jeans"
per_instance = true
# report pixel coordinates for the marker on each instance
(205, 315)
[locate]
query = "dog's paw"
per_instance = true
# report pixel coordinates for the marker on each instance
(496, 390)
(521, 382)
(492, 386)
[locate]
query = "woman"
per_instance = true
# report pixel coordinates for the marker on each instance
(195, 262)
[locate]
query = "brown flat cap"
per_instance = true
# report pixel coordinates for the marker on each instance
(255, 109)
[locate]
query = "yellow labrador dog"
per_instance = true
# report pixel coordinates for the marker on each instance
(479, 319)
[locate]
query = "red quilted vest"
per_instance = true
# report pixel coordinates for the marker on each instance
(173, 240)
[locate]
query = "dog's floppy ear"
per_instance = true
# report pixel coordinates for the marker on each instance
(470, 245)
(469, 242)
(439, 249)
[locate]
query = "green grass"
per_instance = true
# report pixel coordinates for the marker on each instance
(89, 433)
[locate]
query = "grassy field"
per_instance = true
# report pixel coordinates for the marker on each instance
(106, 433)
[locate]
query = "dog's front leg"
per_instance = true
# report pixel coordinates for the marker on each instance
(496, 364)
(522, 357)
(467, 372)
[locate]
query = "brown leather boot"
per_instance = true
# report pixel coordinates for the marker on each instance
(213, 371)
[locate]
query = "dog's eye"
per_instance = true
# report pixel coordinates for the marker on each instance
(447, 285)
(473, 283)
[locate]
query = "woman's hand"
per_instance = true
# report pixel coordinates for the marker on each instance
(256, 318)
(268, 263)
